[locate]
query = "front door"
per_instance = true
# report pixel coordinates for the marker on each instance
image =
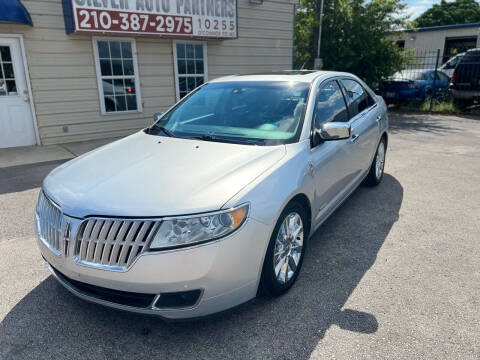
(16, 121)
(330, 160)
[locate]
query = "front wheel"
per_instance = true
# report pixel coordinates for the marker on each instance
(375, 175)
(285, 252)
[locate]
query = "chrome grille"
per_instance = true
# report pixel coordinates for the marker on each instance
(113, 243)
(49, 223)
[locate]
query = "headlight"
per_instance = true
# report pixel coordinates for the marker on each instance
(181, 231)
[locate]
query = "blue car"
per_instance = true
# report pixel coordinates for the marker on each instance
(413, 85)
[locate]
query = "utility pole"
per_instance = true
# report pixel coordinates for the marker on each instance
(295, 3)
(318, 64)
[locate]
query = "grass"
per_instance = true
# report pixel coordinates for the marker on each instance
(439, 107)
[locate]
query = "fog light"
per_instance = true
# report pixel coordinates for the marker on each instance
(178, 300)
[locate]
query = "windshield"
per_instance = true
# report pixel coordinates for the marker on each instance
(409, 75)
(253, 112)
(453, 62)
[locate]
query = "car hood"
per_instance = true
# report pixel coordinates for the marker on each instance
(148, 176)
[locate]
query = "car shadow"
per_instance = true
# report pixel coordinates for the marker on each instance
(25, 177)
(49, 322)
(413, 123)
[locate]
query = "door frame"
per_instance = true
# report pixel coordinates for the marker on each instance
(27, 80)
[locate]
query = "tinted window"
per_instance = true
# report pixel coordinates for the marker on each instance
(330, 105)
(357, 98)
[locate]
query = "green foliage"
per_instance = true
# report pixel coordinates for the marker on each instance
(449, 13)
(353, 37)
(440, 107)
(305, 23)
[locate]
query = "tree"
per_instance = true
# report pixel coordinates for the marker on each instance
(449, 13)
(354, 37)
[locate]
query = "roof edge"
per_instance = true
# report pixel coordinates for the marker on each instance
(442, 27)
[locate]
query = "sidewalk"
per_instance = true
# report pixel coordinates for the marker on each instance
(39, 154)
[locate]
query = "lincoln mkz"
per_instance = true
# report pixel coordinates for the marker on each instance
(217, 199)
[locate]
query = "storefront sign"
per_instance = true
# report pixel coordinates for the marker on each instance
(176, 18)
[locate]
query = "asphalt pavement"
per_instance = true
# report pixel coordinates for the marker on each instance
(393, 274)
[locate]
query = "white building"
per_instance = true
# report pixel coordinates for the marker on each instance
(450, 39)
(75, 70)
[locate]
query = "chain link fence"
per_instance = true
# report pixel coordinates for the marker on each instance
(430, 79)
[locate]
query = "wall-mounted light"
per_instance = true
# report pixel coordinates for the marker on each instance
(256, 2)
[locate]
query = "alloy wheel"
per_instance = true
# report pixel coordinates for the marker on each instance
(288, 247)
(380, 160)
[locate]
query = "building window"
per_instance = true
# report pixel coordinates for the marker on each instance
(190, 66)
(117, 75)
(8, 85)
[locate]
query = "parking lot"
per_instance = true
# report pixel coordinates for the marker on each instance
(394, 273)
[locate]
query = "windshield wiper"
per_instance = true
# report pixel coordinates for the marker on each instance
(230, 141)
(212, 138)
(160, 128)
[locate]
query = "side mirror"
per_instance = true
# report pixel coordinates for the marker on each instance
(157, 116)
(334, 131)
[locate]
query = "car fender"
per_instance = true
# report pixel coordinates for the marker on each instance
(273, 190)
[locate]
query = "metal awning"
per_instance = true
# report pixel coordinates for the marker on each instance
(13, 11)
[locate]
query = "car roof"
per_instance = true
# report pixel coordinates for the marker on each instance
(306, 76)
(473, 50)
(414, 71)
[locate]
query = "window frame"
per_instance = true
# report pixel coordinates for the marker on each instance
(364, 111)
(324, 83)
(175, 64)
(312, 120)
(101, 96)
(3, 76)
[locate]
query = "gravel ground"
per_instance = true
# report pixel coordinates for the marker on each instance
(394, 273)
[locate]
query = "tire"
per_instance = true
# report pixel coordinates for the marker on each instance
(375, 174)
(277, 283)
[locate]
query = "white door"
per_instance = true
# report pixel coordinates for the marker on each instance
(16, 121)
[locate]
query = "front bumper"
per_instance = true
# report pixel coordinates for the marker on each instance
(465, 94)
(227, 272)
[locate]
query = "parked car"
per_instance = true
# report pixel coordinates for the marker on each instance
(449, 67)
(217, 198)
(465, 82)
(413, 85)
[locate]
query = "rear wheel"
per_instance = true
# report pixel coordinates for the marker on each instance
(375, 175)
(285, 252)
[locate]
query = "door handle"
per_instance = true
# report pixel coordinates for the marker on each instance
(26, 99)
(354, 137)
(379, 118)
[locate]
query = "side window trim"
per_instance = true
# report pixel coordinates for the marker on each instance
(365, 111)
(317, 90)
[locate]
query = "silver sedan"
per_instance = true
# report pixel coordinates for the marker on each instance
(217, 199)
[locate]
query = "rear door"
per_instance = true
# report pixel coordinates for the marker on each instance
(364, 118)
